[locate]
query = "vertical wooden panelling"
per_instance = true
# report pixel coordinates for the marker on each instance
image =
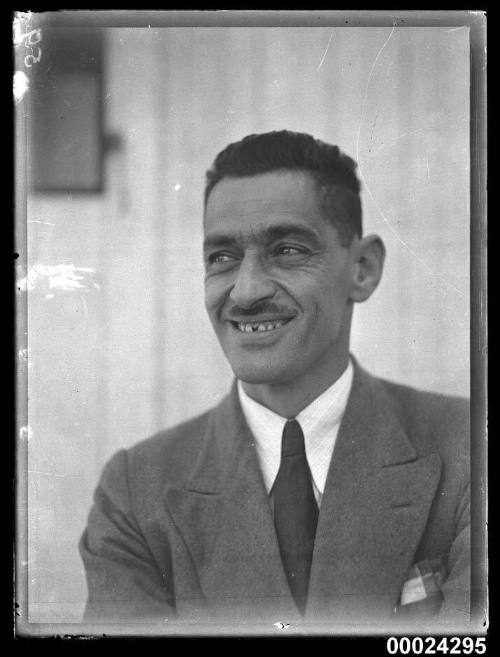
(414, 200)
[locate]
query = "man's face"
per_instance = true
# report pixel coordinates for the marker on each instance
(277, 281)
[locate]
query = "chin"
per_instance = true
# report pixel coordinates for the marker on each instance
(262, 374)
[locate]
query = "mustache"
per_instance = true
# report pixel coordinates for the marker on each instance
(266, 308)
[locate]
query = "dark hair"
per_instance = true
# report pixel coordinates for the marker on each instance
(333, 172)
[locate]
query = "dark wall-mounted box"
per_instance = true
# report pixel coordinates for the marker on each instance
(65, 119)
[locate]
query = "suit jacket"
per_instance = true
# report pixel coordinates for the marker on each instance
(181, 529)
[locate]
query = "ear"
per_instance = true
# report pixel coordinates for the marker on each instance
(368, 262)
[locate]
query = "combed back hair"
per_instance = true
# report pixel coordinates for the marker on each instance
(333, 172)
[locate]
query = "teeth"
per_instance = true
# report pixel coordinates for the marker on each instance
(260, 327)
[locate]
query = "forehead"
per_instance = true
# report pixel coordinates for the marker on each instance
(258, 202)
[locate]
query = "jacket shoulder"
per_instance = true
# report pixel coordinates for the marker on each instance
(431, 406)
(432, 420)
(166, 457)
(171, 453)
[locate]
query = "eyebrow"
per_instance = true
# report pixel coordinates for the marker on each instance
(263, 236)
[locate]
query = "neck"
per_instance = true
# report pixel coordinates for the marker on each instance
(288, 399)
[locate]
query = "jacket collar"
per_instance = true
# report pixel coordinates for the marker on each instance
(226, 435)
(370, 426)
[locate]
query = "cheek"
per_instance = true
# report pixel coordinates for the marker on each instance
(215, 295)
(329, 306)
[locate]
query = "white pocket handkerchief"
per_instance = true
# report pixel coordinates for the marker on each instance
(424, 581)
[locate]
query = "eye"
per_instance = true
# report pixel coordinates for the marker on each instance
(220, 258)
(289, 250)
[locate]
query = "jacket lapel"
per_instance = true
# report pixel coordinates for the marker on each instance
(375, 505)
(224, 516)
(374, 509)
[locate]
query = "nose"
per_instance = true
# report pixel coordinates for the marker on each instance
(252, 284)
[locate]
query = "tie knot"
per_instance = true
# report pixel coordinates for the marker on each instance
(292, 442)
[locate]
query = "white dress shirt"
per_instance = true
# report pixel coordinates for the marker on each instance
(320, 422)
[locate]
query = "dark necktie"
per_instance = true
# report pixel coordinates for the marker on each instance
(295, 512)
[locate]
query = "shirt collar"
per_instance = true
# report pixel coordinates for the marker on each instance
(320, 422)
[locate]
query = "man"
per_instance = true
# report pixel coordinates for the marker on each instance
(314, 493)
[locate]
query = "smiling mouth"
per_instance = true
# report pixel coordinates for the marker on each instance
(260, 327)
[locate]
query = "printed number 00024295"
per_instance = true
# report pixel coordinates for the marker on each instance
(430, 646)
